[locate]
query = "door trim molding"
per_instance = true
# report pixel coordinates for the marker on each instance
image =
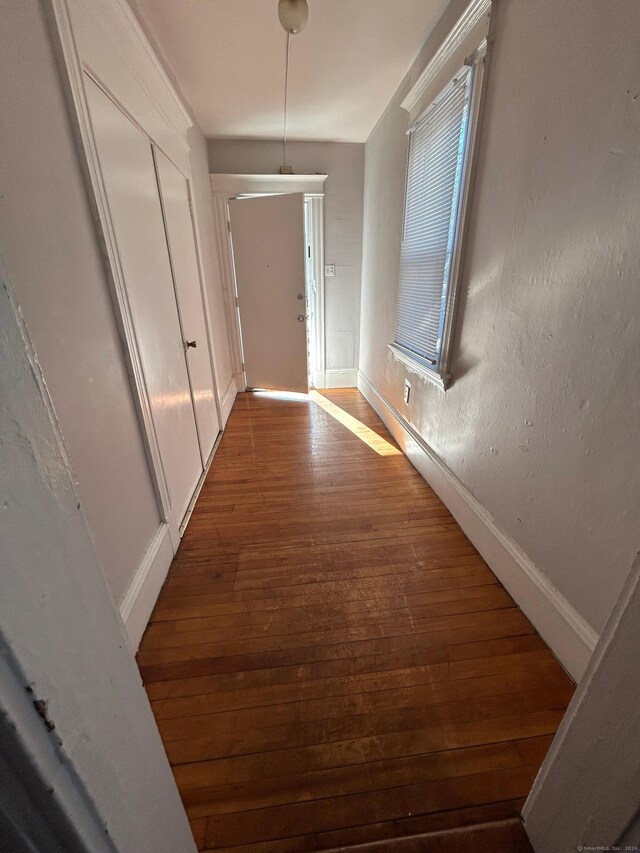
(204, 293)
(569, 636)
(232, 185)
(110, 42)
(316, 235)
(226, 403)
(227, 277)
(141, 595)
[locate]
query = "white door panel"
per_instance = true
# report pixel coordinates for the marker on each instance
(127, 167)
(177, 214)
(269, 256)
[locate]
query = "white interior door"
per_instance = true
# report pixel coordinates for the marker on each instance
(128, 171)
(182, 247)
(269, 255)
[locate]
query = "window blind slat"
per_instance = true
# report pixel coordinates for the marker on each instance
(436, 154)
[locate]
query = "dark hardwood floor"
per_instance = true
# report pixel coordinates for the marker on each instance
(330, 661)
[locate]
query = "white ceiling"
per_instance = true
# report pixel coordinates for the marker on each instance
(228, 57)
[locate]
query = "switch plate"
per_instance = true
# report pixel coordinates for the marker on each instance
(407, 391)
(330, 270)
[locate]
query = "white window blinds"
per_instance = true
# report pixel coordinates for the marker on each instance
(434, 180)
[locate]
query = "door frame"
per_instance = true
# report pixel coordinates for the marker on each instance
(105, 42)
(225, 187)
(147, 98)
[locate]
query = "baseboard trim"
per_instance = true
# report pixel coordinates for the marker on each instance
(227, 400)
(199, 485)
(343, 378)
(568, 635)
(140, 598)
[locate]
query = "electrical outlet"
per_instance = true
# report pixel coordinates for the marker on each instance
(330, 270)
(407, 391)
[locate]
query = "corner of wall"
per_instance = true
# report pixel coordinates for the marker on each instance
(568, 635)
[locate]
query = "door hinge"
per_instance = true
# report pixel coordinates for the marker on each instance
(237, 301)
(228, 226)
(190, 204)
(243, 365)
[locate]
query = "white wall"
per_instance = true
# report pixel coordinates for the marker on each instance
(344, 164)
(49, 248)
(62, 639)
(541, 421)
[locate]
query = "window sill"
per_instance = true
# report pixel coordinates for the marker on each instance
(435, 377)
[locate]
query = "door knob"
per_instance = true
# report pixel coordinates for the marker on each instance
(188, 344)
(300, 318)
(301, 296)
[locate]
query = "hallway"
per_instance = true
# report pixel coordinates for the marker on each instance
(330, 662)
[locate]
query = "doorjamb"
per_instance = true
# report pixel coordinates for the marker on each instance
(224, 187)
(316, 235)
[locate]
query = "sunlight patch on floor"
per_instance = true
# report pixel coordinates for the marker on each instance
(293, 396)
(376, 442)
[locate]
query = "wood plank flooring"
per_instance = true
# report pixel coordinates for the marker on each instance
(330, 661)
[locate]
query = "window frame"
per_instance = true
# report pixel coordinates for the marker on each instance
(439, 374)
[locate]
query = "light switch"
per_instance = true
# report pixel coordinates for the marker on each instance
(330, 270)
(407, 391)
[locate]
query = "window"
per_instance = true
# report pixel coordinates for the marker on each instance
(437, 179)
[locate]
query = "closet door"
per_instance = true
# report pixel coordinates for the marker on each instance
(126, 163)
(186, 276)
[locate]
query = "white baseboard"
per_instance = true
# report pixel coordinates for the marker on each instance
(200, 484)
(143, 591)
(318, 379)
(568, 635)
(343, 378)
(226, 402)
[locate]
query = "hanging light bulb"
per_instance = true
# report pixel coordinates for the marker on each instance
(293, 15)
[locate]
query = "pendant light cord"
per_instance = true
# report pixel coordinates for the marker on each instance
(286, 95)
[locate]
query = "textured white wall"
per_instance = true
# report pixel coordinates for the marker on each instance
(49, 248)
(541, 421)
(344, 164)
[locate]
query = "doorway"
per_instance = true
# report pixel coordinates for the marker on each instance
(275, 296)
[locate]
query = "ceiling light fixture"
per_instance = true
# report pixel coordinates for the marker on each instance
(293, 15)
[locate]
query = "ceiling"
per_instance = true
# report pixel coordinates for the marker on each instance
(228, 57)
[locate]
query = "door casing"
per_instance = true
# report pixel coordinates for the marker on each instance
(87, 50)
